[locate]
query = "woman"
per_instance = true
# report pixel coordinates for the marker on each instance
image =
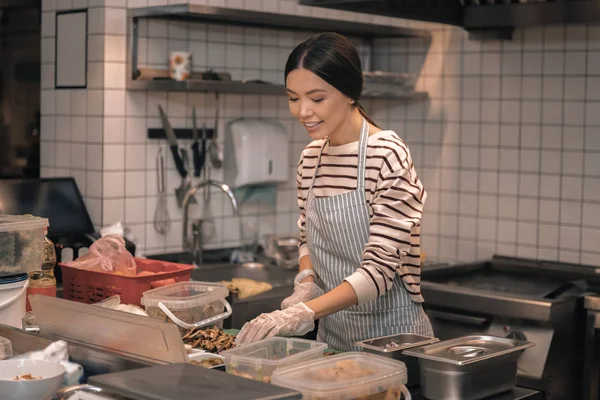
(361, 204)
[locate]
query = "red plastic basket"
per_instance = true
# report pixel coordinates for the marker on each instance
(90, 287)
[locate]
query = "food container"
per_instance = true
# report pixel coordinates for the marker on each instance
(21, 243)
(346, 376)
(468, 368)
(189, 304)
(393, 346)
(258, 360)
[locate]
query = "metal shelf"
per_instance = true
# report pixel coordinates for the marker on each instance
(272, 20)
(230, 16)
(235, 87)
(206, 86)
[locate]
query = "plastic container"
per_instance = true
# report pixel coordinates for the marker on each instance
(13, 292)
(259, 360)
(21, 243)
(90, 287)
(189, 304)
(346, 376)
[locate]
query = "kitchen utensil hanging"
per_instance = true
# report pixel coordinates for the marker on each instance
(208, 225)
(214, 151)
(162, 222)
(177, 158)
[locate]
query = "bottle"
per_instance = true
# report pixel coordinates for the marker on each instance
(43, 281)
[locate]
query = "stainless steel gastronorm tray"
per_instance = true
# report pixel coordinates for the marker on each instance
(469, 349)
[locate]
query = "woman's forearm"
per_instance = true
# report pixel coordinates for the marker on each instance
(336, 300)
(306, 263)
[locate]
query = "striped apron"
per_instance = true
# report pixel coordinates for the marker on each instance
(337, 229)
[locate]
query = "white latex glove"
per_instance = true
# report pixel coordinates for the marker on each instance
(303, 292)
(297, 320)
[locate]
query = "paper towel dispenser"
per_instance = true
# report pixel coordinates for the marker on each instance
(256, 151)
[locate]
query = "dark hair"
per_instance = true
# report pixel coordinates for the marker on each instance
(334, 59)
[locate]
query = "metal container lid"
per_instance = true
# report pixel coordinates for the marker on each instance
(469, 349)
(393, 343)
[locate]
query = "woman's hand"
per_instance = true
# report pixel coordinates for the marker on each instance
(296, 320)
(303, 292)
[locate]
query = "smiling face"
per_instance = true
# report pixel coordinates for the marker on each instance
(321, 108)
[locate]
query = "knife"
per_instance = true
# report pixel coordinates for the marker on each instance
(198, 152)
(172, 143)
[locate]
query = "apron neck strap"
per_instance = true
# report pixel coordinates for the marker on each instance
(362, 156)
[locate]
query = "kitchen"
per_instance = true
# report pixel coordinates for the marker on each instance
(505, 139)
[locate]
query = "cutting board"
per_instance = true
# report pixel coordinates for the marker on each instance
(187, 382)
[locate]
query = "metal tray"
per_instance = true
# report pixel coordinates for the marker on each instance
(469, 349)
(468, 368)
(405, 341)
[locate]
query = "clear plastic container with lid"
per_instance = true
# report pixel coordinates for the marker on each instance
(258, 360)
(189, 304)
(346, 376)
(21, 243)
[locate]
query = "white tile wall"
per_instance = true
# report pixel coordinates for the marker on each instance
(508, 145)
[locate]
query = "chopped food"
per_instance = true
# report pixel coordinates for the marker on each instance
(265, 379)
(26, 377)
(347, 370)
(209, 362)
(391, 345)
(188, 315)
(213, 339)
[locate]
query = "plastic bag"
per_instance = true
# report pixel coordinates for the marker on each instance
(114, 303)
(107, 254)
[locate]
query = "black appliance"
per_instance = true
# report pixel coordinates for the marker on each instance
(494, 19)
(59, 200)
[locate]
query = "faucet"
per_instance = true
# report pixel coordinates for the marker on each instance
(197, 243)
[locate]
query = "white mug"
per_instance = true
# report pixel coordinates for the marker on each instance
(180, 65)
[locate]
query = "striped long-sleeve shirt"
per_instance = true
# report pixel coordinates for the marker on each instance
(395, 198)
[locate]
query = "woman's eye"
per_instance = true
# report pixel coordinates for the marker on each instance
(290, 99)
(317, 100)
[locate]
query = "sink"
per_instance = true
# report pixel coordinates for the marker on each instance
(215, 269)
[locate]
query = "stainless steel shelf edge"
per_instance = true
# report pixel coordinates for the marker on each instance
(274, 20)
(238, 88)
(206, 86)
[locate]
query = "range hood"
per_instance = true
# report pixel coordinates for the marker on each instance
(482, 18)
(446, 12)
(5, 4)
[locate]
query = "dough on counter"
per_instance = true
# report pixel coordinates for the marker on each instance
(247, 287)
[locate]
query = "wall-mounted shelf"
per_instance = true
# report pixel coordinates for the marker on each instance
(165, 85)
(230, 16)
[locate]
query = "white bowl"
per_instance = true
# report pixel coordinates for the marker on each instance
(51, 375)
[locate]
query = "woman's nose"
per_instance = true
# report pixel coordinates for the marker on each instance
(305, 110)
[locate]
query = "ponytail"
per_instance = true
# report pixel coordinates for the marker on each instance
(365, 115)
